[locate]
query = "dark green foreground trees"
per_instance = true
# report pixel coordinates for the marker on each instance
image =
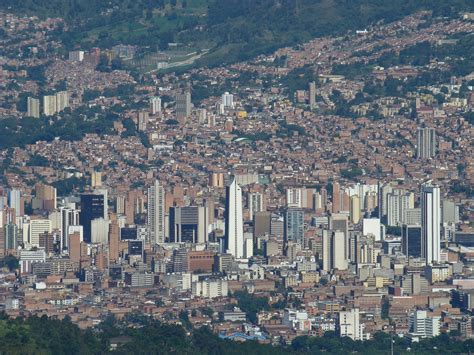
(139, 335)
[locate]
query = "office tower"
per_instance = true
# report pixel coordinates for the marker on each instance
(256, 203)
(183, 106)
(75, 247)
(334, 250)
(49, 105)
(339, 222)
(371, 227)
(46, 196)
(234, 228)
(349, 325)
(216, 180)
(96, 179)
(15, 201)
(99, 231)
(228, 100)
(92, 207)
(69, 217)
(33, 107)
(188, 224)
(38, 226)
(156, 213)
(336, 202)
(11, 236)
(114, 241)
(450, 212)
(46, 241)
(261, 224)
(397, 203)
(430, 223)
(62, 100)
(426, 143)
(294, 226)
(354, 210)
(143, 118)
(155, 105)
(312, 95)
(105, 193)
(411, 240)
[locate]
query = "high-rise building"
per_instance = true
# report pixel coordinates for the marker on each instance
(46, 195)
(37, 227)
(261, 223)
(450, 212)
(62, 100)
(312, 95)
(183, 106)
(336, 202)
(15, 201)
(430, 223)
(411, 240)
(156, 213)
(349, 325)
(256, 203)
(155, 105)
(96, 179)
(334, 250)
(397, 203)
(69, 217)
(234, 228)
(426, 143)
(99, 231)
(92, 207)
(294, 226)
(49, 105)
(188, 224)
(33, 107)
(228, 100)
(354, 210)
(143, 118)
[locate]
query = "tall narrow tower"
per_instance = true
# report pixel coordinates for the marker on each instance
(156, 213)
(430, 223)
(234, 226)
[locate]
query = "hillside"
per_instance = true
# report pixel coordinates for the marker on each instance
(233, 29)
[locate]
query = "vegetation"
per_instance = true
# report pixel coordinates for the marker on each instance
(251, 304)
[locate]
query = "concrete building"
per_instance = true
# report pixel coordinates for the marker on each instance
(430, 224)
(156, 213)
(210, 288)
(426, 143)
(188, 224)
(33, 107)
(234, 229)
(349, 325)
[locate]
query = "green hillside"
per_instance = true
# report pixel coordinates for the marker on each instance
(233, 29)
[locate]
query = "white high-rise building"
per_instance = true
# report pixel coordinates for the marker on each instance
(33, 107)
(234, 226)
(423, 325)
(14, 201)
(255, 203)
(100, 231)
(349, 325)
(62, 100)
(334, 250)
(312, 95)
(37, 227)
(183, 106)
(69, 217)
(397, 203)
(156, 213)
(430, 223)
(228, 100)
(426, 143)
(155, 105)
(49, 105)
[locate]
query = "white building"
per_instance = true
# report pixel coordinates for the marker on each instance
(349, 325)
(62, 100)
(37, 227)
(33, 107)
(49, 105)
(156, 213)
(155, 105)
(210, 288)
(424, 326)
(426, 143)
(100, 231)
(234, 226)
(371, 226)
(430, 223)
(28, 257)
(228, 100)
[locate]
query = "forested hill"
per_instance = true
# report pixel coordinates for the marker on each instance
(234, 29)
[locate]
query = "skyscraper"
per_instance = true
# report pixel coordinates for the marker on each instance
(155, 105)
(62, 100)
(33, 107)
(156, 213)
(15, 201)
(183, 106)
(49, 105)
(294, 226)
(92, 207)
(426, 143)
(255, 203)
(430, 223)
(312, 95)
(188, 224)
(234, 228)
